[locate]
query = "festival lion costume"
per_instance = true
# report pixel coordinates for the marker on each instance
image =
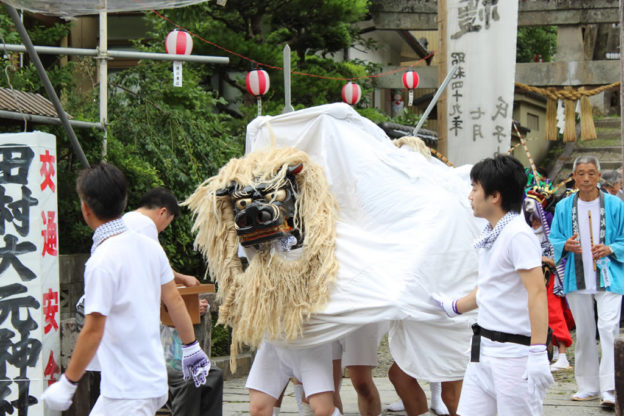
(289, 289)
(342, 228)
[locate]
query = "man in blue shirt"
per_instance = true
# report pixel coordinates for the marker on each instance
(588, 232)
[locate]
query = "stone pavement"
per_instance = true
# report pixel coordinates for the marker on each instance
(557, 403)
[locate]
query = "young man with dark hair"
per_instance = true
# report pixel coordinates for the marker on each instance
(588, 231)
(157, 209)
(509, 370)
(126, 278)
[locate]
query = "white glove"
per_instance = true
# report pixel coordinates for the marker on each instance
(446, 303)
(195, 363)
(538, 371)
(59, 395)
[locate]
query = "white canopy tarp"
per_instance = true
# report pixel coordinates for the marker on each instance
(405, 230)
(70, 8)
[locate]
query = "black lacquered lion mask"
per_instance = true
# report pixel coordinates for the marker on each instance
(267, 211)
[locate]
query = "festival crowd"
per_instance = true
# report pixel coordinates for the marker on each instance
(549, 262)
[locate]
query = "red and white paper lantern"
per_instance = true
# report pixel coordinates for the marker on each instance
(351, 93)
(258, 83)
(178, 42)
(410, 81)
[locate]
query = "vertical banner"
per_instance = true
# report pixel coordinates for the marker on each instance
(481, 39)
(29, 272)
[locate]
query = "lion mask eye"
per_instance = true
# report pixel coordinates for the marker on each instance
(242, 203)
(279, 195)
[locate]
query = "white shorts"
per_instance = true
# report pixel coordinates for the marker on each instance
(413, 342)
(360, 346)
(105, 406)
(274, 366)
(495, 386)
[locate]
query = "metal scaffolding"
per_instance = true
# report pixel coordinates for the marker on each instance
(103, 55)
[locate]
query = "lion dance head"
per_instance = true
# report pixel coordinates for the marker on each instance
(277, 204)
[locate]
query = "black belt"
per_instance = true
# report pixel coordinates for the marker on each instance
(478, 332)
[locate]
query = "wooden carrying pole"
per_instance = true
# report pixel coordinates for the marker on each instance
(591, 234)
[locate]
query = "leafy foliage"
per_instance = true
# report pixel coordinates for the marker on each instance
(177, 137)
(536, 41)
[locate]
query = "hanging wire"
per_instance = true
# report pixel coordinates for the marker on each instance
(279, 68)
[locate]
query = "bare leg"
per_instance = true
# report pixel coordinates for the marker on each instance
(260, 404)
(450, 395)
(337, 370)
(369, 403)
(322, 404)
(409, 391)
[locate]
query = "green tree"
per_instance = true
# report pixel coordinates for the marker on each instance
(177, 137)
(259, 29)
(536, 41)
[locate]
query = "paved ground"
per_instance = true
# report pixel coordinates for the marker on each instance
(557, 402)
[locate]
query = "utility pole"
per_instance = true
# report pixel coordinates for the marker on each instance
(43, 76)
(442, 67)
(103, 75)
(287, 104)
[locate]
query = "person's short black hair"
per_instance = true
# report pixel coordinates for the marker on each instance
(104, 189)
(503, 174)
(159, 198)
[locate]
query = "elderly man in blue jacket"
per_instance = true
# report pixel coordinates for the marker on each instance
(588, 234)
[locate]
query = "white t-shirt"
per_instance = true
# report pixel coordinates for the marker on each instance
(501, 296)
(123, 279)
(583, 219)
(141, 224)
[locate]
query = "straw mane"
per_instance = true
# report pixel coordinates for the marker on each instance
(274, 295)
(415, 144)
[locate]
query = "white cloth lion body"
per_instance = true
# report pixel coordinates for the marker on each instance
(405, 230)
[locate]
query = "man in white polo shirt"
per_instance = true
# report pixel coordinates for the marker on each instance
(509, 370)
(157, 209)
(126, 278)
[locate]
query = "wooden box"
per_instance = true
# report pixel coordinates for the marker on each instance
(190, 295)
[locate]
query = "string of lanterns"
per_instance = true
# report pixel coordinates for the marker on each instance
(258, 82)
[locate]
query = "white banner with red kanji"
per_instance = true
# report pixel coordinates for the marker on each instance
(481, 39)
(29, 271)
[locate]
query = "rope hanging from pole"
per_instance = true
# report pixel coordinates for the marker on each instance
(569, 96)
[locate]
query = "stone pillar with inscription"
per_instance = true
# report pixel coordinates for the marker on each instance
(481, 40)
(29, 276)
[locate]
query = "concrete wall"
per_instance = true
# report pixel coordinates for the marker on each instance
(526, 107)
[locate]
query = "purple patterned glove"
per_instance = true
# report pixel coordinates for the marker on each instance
(195, 363)
(446, 303)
